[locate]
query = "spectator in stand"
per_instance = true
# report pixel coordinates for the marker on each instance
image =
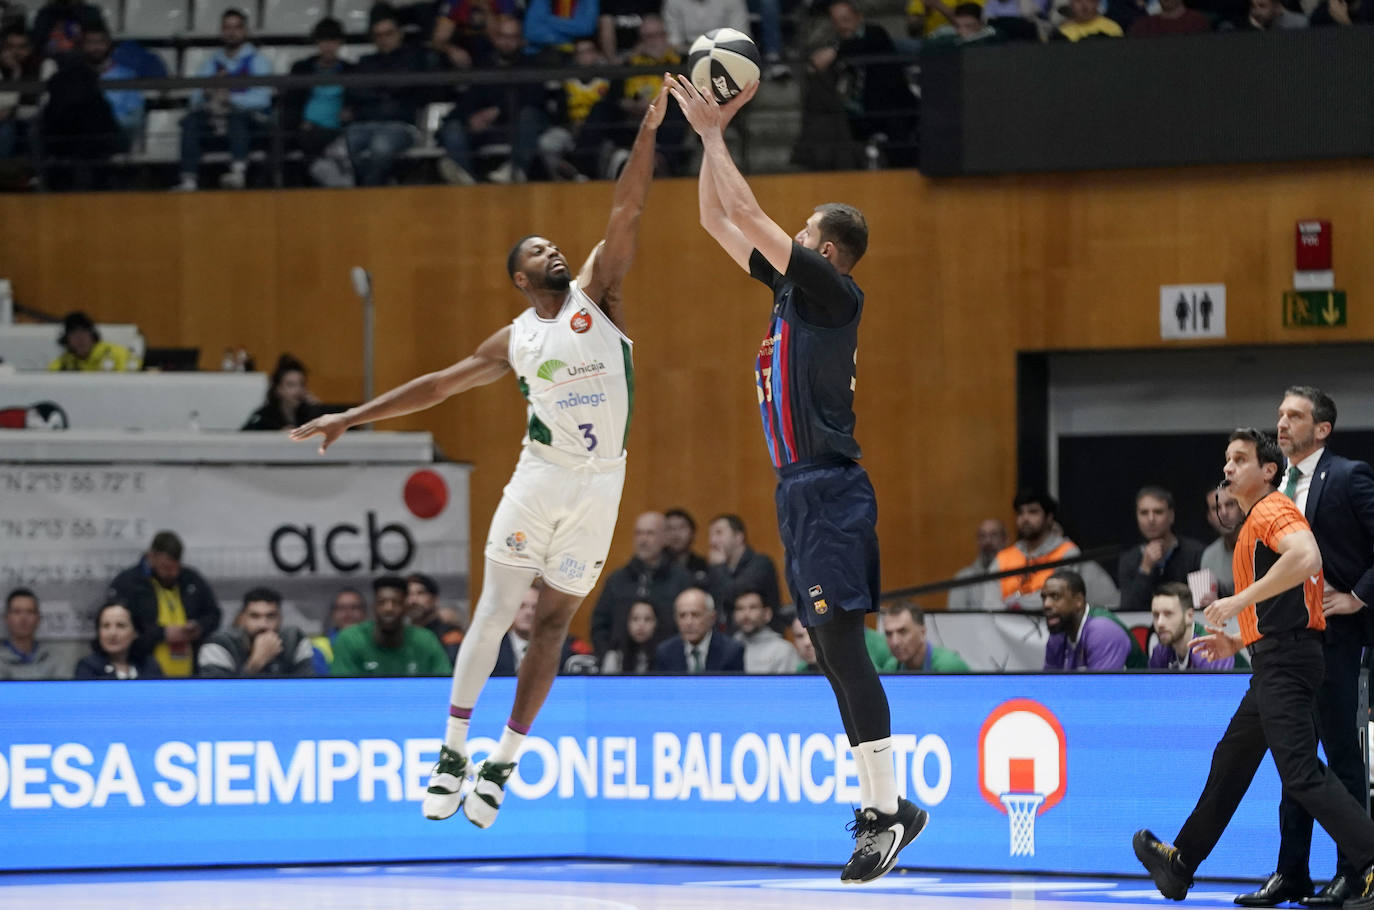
(904, 625)
(576, 97)
(387, 645)
(1224, 515)
(59, 26)
(679, 533)
(1342, 12)
(879, 102)
(18, 63)
(1173, 18)
(552, 27)
(634, 642)
(806, 651)
(257, 645)
(289, 402)
(235, 114)
(23, 656)
(617, 29)
(765, 651)
(1040, 540)
(516, 643)
(1017, 20)
(603, 143)
(688, 20)
(1172, 609)
(84, 351)
(735, 566)
(127, 106)
(925, 18)
(1082, 638)
(173, 605)
(696, 649)
(349, 609)
(987, 595)
(1163, 557)
(1269, 15)
(649, 576)
(422, 609)
(383, 116)
(463, 27)
(483, 115)
(112, 652)
(314, 117)
(1084, 23)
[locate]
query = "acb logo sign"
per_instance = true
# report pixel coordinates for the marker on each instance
(346, 547)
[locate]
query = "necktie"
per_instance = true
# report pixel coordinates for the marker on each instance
(696, 659)
(1291, 488)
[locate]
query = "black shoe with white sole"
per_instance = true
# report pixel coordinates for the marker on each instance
(878, 838)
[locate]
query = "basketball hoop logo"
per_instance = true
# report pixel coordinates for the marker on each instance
(1022, 766)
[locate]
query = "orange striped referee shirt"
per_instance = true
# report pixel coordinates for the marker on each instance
(1273, 518)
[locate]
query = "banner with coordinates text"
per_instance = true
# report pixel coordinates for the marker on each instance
(701, 768)
(66, 530)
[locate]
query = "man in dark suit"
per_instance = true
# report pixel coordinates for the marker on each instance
(696, 649)
(516, 642)
(1337, 496)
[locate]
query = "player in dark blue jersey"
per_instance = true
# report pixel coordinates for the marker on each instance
(804, 374)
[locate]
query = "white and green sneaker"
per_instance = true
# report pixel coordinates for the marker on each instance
(445, 793)
(488, 789)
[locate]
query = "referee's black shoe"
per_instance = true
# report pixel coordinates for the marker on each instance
(1278, 889)
(1166, 867)
(879, 838)
(1363, 888)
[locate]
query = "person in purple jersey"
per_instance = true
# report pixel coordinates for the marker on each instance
(827, 513)
(1080, 638)
(1172, 609)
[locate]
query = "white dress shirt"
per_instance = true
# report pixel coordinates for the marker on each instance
(702, 647)
(1307, 466)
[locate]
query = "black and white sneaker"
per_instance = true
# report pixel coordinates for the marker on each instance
(878, 838)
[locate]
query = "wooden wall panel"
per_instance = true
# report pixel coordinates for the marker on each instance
(960, 276)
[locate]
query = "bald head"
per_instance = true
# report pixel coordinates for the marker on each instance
(649, 536)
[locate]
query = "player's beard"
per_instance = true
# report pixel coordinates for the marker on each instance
(551, 282)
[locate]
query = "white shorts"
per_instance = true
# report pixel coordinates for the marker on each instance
(556, 516)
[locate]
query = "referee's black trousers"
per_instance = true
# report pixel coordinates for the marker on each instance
(1278, 714)
(1338, 724)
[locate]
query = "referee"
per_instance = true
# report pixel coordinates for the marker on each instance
(1278, 602)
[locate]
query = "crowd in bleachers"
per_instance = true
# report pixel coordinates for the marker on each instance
(574, 127)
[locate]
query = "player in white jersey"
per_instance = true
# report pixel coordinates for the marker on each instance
(572, 361)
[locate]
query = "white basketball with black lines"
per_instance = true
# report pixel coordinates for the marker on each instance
(724, 62)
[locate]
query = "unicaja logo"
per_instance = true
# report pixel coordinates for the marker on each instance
(1022, 766)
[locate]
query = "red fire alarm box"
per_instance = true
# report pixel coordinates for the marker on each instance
(1313, 246)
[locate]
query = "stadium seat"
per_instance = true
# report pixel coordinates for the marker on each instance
(353, 15)
(283, 56)
(193, 58)
(155, 18)
(291, 17)
(162, 135)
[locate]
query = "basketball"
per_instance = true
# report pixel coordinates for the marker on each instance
(725, 62)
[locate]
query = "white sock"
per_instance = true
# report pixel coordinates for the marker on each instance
(877, 757)
(865, 779)
(503, 587)
(509, 746)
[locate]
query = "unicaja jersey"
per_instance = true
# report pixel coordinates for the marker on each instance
(804, 373)
(577, 374)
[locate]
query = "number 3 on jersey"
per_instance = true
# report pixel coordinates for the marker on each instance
(588, 435)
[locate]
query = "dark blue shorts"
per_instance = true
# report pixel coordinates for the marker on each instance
(827, 516)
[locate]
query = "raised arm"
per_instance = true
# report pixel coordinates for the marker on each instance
(607, 266)
(486, 365)
(741, 208)
(712, 213)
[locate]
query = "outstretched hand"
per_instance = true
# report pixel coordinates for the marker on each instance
(330, 426)
(702, 111)
(657, 108)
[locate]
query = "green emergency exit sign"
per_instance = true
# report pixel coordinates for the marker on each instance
(1314, 309)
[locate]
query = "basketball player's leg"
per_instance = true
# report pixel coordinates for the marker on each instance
(571, 564)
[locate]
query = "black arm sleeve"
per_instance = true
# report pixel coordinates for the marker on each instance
(826, 299)
(761, 269)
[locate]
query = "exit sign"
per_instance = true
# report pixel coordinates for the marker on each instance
(1314, 309)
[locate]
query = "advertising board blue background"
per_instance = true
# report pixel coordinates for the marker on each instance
(703, 768)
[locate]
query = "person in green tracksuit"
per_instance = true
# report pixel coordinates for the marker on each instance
(905, 627)
(386, 645)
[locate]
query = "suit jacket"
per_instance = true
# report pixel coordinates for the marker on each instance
(725, 655)
(505, 659)
(1340, 509)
